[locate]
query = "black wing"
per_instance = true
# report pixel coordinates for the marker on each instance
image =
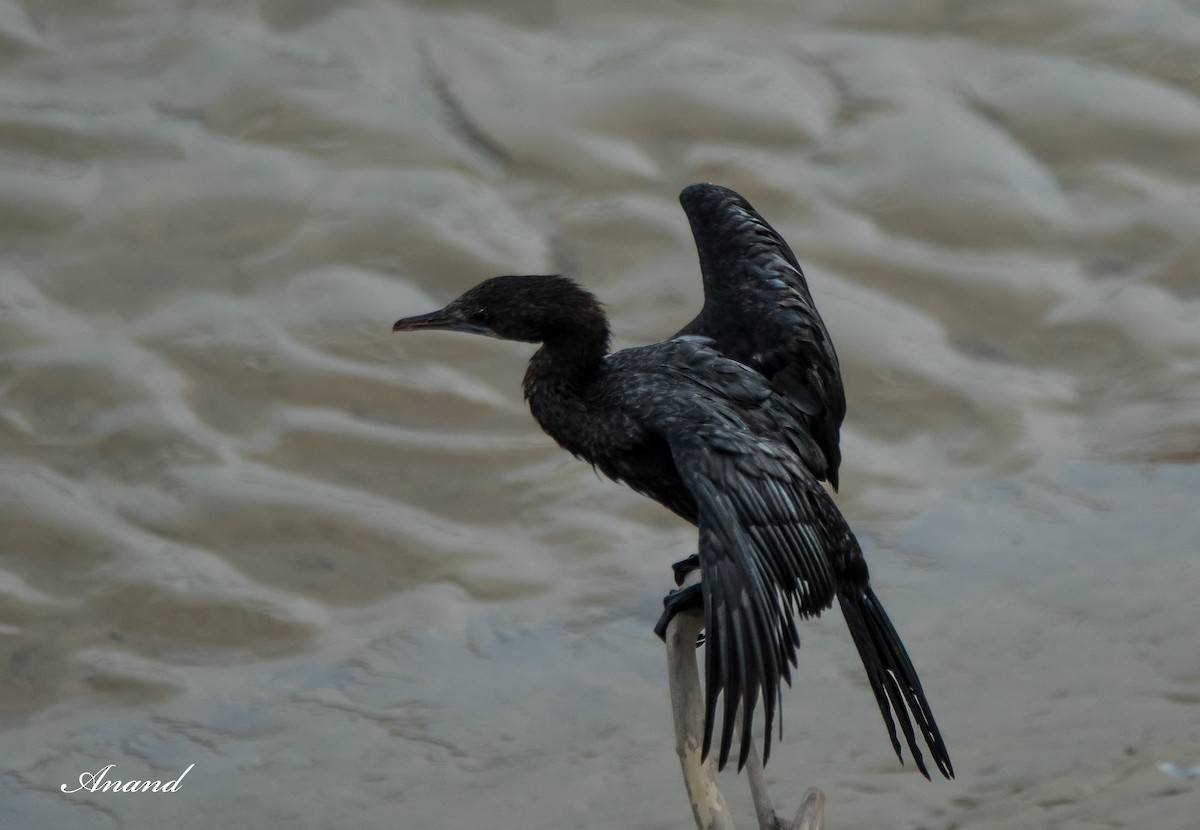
(773, 545)
(759, 312)
(765, 556)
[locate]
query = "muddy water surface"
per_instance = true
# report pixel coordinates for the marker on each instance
(345, 576)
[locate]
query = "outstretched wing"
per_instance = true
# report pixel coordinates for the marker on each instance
(759, 312)
(773, 546)
(710, 438)
(768, 535)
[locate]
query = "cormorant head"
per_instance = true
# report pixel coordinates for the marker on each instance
(533, 309)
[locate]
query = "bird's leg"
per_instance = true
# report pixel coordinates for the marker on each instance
(684, 567)
(681, 599)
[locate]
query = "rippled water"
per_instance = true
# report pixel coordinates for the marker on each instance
(343, 573)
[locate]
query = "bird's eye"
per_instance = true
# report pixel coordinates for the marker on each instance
(478, 316)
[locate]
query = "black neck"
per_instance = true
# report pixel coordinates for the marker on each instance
(568, 360)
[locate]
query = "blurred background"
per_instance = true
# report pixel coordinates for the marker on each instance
(345, 575)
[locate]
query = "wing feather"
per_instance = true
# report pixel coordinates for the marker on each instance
(759, 312)
(760, 568)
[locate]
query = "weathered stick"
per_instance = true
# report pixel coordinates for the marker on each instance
(708, 805)
(811, 815)
(687, 706)
(763, 809)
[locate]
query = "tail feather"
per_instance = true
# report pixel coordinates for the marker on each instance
(893, 679)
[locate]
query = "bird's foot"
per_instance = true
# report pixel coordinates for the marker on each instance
(681, 599)
(684, 567)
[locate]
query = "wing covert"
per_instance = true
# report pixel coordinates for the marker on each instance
(764, 557)
(758, 311)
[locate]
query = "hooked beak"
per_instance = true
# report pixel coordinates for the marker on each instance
(439, 320)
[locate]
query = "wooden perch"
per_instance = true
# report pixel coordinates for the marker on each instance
(700, 777)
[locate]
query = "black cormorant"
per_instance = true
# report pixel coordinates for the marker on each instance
(731, 424)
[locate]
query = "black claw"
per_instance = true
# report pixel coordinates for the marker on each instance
(681, 599)
(684, 567)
